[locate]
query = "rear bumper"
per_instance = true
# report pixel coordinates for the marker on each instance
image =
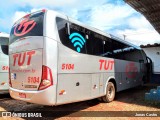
(44, 97)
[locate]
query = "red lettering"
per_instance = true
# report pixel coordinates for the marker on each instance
(106, 67)
(21, 62)
(67, 66)
(21, 24)
(101, 63)
(3, 68)
(26, 26)
(33, 79)
(63, 66)
(14, 57)
(108, 64)
(112, 63)
(72, 66)
(30, 56)
(22, 57)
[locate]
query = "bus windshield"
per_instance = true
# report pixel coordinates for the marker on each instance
(4, 45)
(29, 25)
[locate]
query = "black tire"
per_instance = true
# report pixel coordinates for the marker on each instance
(110, 93)
(100, 99)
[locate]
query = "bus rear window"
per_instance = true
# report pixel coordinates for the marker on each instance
(30, 25)
(4, 45)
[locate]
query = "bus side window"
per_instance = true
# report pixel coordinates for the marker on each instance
(118, 49)
(133, 55)
(4, 49)
(94, 45)
(108, 51)
(65, 29)
(4, 45)
(98, 49)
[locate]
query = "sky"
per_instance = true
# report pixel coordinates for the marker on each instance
(111, 16)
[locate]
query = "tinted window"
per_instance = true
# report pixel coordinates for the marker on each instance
(91, 42)
(118, 49)
(75, 40)
(133, 55)
(4, 45)
(98, 47)
(95, 44)
(108, 48)
(4, 49)
(28, 26)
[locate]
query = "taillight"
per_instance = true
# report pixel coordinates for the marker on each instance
(9, 76)
(47, 79)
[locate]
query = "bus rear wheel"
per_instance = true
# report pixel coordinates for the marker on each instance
(110, 93)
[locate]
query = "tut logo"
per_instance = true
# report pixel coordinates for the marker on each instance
(24, 26)
(22, 57)
(131, 70)
(77, 41)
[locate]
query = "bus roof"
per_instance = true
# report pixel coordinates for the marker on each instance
(2, 34)
(124, 41)
(90, 27)
(86, 26)
(102, 32)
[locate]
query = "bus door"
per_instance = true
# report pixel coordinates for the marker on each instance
(142, 70)
(149, 69)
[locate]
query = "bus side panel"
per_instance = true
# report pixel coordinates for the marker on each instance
(4, 67)
(81, 76)
(128, 74)
(101, 86)
(50, 60)
(73, 87)
(73, 84)
(4, 82)
(95, 85)
(119, 68)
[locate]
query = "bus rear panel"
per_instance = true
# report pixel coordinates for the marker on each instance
(32, 78)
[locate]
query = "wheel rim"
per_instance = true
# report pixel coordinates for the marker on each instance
(110, 92)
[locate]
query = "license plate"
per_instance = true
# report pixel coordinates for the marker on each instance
(22, 95)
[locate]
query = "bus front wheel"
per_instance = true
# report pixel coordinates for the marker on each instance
(110, 93)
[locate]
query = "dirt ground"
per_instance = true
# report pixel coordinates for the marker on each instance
(126, 101)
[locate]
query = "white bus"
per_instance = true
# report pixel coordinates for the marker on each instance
(4, 63)
(56, 60)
